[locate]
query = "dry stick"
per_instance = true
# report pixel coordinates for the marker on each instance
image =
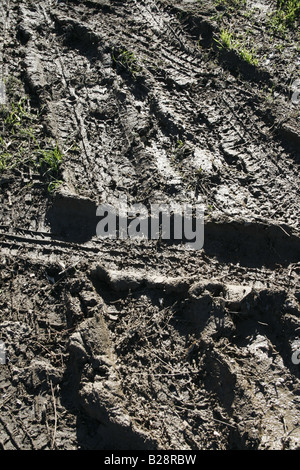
(9, 433)
(224, 422)
(6, 400)
(166, 374)
(20, 423)
(290, 432)
(55, 416)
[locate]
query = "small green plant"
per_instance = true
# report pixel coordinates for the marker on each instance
(50, 160)
(229, 42)
(22, 145)
(54, 185)
(226, 40)
(286, 15)
(126, 60)
(280, 47)
(15, 114)
(248, 13)
(249, 56)
(270, 94)
(3, 162)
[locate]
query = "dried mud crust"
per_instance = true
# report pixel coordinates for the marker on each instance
(124, 345)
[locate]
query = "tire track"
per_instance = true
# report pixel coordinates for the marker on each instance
(163, 116)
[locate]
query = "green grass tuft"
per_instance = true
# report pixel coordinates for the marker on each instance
(126, 60)
(22, 145)
(286, 16)
(228, 42)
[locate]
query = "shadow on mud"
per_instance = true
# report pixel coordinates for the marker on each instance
(252, 245)
(248, 244)
(72, 219)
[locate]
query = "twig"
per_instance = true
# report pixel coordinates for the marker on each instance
(6, 400)
(10, 434)
(55, 416)
(166, 374)
(284, 231)
(224, 422)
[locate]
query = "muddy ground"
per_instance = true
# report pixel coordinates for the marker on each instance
(126, 344)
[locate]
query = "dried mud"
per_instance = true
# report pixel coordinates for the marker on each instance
(119, 344)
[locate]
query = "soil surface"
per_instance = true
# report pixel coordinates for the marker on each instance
(123, 344)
